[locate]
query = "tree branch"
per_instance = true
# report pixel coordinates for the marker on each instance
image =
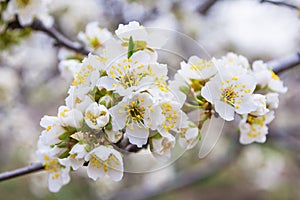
(204, 7)
(280, 3)
(34, 167)
(283, 64)
(53, 33)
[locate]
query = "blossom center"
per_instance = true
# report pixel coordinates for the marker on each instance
(228, 95)
(135, 111)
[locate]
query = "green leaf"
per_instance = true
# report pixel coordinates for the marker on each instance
(131, 47)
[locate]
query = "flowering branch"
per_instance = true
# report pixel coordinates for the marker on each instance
(278, 65)
(280, 3)
(54, 33)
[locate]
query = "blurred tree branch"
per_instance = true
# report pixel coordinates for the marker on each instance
(280, 3)
(204, 7)
(285, 63)
(197, 175)
(34, 167)
(59, 38)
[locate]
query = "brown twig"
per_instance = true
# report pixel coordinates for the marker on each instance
(53, 33)
(280, 3)
(204, 7)
(34, 167)
(283, 64)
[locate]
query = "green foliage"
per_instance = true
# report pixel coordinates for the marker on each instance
(10, 37)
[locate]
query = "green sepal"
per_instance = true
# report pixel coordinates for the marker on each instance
(184, 89)
(70, 129)
(62, 144)
(87, 148)
(64, 136)
(64, 154)
(108, 127)
(131, 47)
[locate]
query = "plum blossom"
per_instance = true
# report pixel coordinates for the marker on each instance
(197, 68)
(76, 158)
(58, 174)
(267, 78)
(254, 129)
(103, 161)
(94, 36)
(137, 114)
(230, 93)
(161, 146)
(188, 137)
(142, 37)
(27, 11)
(96, 116)
(70, 117)
(129, 75)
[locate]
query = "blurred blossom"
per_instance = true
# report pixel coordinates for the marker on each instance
(253, 28)
(35, 57)
(264, 167)
(80, 12)
(9, 85)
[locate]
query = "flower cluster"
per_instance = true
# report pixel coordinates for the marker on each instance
(120, 94)
(230, 86)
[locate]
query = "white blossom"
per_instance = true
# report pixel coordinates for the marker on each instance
(70, 117)
(96, 116)
(27, 10)
(272, 100)
(261, 105)
(137, 113)
(230, 93)
(197, 68)
(78, 98)
(58, 175)
(76, 157)
(267, 78)
(128, 75)
(188, 137)
(254, 129)
(114, 136)
(140, 34)
(161, 147)
(94, 36)
(103, 161)
(53, 130)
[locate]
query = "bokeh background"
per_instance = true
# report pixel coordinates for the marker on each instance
(31, 86)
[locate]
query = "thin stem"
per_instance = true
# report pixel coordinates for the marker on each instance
(53, 33)
(283, 64)
(34, 167)
(280, 3)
